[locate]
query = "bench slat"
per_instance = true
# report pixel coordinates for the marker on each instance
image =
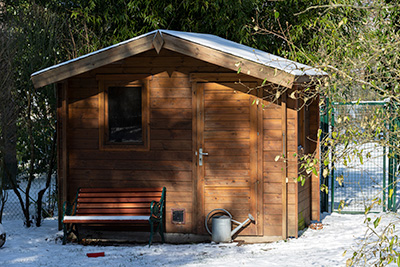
(106, 190)
(105, 219)
(120, 194)
(106, 205)
(117, 199)
(113, 214)
(108, 221)
(121, 211)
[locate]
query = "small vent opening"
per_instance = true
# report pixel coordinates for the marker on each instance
(178, 216)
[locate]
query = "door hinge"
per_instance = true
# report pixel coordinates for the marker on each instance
(287, 180)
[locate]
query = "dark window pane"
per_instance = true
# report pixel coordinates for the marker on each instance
(125, 114)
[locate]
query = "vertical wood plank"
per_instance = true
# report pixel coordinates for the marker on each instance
(195, 209)
(296, 127)
(306, 128)
(102, 114)
(64, 134)
(145, 113)
(254, 185)
(260, 176)
(315, 186)
(200, 169)
(59, 148)
(284, 167)
(301, 121)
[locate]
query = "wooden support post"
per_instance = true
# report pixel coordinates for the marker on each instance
(284, 168)
(254, 185)
(195, 207)
(200, 169)
(260, 169)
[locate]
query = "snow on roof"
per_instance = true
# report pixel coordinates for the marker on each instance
(219, 44)
(246, 52)
(93, 53)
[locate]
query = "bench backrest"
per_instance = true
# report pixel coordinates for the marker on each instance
(116, 201)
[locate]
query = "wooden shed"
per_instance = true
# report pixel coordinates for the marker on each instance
(137, 114)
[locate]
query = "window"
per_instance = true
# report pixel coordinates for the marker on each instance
(123, 114)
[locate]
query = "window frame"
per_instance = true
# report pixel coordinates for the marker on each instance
(107, 81)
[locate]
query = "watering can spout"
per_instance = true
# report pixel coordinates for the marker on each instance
(250, 218)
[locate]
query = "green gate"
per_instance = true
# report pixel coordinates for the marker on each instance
(362, 165)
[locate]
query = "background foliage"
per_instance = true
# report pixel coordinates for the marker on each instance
(356, 42)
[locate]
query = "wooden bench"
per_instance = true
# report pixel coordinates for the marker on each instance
(128, 206)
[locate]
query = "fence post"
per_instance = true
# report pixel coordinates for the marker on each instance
(332, 172)
(396, 163)
(324, 126)
(392, 159)
(384, 180)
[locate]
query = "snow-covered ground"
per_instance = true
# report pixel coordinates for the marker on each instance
(42, 247)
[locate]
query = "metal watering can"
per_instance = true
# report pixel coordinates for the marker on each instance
(221, 226)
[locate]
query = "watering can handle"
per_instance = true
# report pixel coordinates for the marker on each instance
(227, 212)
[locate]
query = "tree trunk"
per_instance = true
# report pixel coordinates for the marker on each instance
(31, 176)
(48, 179)
(3, 200)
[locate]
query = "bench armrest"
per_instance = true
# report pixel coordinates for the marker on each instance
(69, 209)
(157, 208)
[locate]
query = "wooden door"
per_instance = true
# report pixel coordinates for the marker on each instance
(227, 132)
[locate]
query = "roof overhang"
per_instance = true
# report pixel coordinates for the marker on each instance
(205, 47)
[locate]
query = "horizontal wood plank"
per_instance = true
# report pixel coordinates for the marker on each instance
(226, 134)
(227, 110)
(227, 125)
(168, 113)
(223, 145)
(170, 92)
(171, 124)
(170, 83)
(131, 165)
(170, 134)
(167, 103)
(171, 145)
(133, 176)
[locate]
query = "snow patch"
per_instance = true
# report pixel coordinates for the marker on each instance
(42, 247)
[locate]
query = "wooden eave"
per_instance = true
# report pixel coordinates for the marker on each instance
(158, 41)
(92, 61)
(228, 61)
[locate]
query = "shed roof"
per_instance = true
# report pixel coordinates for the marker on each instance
(206, 47)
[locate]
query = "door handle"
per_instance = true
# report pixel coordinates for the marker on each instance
(201, 154)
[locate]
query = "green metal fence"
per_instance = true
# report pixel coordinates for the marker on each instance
(362, 162)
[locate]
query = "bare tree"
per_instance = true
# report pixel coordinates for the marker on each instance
(8, 114)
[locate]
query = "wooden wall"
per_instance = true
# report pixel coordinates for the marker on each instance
(314, 148)
(308, 200)
(273, 181)
(169, 161)
(280, 194)
(292, 166)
